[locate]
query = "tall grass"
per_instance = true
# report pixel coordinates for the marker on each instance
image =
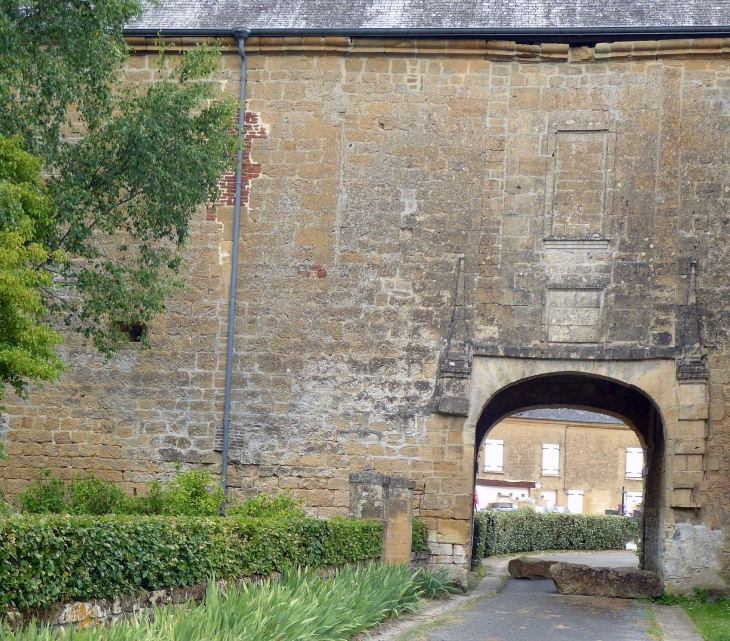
(299, 607)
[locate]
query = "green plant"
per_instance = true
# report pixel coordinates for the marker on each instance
(92, 496)
(264, 506)
(431, 585)
(190, 493)
(300, 607)
(47, 495)
(48, 559)
(527, 531)
(5, 508)
(419, 538)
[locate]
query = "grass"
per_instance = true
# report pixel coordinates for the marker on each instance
(653, 629)
(711, 619)
(299, 607)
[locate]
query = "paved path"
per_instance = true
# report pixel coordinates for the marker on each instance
(533, 611)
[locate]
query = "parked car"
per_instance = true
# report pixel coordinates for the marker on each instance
(502, 506)
(542, 509)
(560, 509)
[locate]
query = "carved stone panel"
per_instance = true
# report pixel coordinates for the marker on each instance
(574, 315)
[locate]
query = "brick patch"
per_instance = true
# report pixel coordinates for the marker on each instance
(315, 271)
(253, 130)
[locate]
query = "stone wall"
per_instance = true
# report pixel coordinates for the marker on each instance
(412, 206)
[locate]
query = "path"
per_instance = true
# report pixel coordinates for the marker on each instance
(533, 611)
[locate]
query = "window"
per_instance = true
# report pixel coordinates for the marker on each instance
(493, 456)
(550, 459)
(634, 462)
(133, 331)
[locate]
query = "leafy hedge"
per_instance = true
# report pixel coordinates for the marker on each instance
(419, 539)
(527, 531)
(47, 559)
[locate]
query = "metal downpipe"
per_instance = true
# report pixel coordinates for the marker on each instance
(241, 35)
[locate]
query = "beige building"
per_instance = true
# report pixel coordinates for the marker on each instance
(582, 460)
(451, 212)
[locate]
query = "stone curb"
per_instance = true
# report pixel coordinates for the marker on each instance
(675, 624)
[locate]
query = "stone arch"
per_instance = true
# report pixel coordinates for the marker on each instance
(641, 393)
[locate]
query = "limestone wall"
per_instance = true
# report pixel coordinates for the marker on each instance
(412, 205)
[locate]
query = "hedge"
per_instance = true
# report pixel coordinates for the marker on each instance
(527, 531)
(47, 559)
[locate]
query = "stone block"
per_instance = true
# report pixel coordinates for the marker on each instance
(453, 531)
(698, 412)
(684, 498)
(622, 583)
(686, 479)
(693, 446)
(691, 430)
(525, 567)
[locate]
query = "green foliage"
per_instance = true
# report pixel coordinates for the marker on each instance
(264, 506)
(711, 619)
(437, 584)
(5, 508)
(27, 344)
(419, 538)
(47, 495)
(99, 242)
(92, 496)
(300, 607)
(527, 531)
(190, 493)
(47, 559)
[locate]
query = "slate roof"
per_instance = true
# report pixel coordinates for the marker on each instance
(565, 415)
(429, 14)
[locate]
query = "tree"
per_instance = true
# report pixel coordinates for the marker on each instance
(96, 244)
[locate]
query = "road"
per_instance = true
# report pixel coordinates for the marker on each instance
(533, 611)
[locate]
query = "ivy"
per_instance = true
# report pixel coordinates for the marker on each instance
(47, 559)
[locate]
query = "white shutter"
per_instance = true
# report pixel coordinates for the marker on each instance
(634, 462)
(575, 501)
(550, 497)
(550, 459)
(493, 455)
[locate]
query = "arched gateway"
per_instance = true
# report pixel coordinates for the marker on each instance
(663, 412)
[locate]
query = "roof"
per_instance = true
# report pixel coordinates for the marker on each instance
(487, 15)
(565, 415)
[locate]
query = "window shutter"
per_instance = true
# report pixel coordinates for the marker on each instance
(550, 459)
(493, 455)
(575, 501)
(634, 462)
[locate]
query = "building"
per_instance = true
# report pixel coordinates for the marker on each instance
(584, 461)
(453, 212)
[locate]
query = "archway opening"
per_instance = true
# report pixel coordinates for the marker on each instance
(598, 395)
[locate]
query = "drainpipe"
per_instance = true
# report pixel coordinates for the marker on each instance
(241, 35)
